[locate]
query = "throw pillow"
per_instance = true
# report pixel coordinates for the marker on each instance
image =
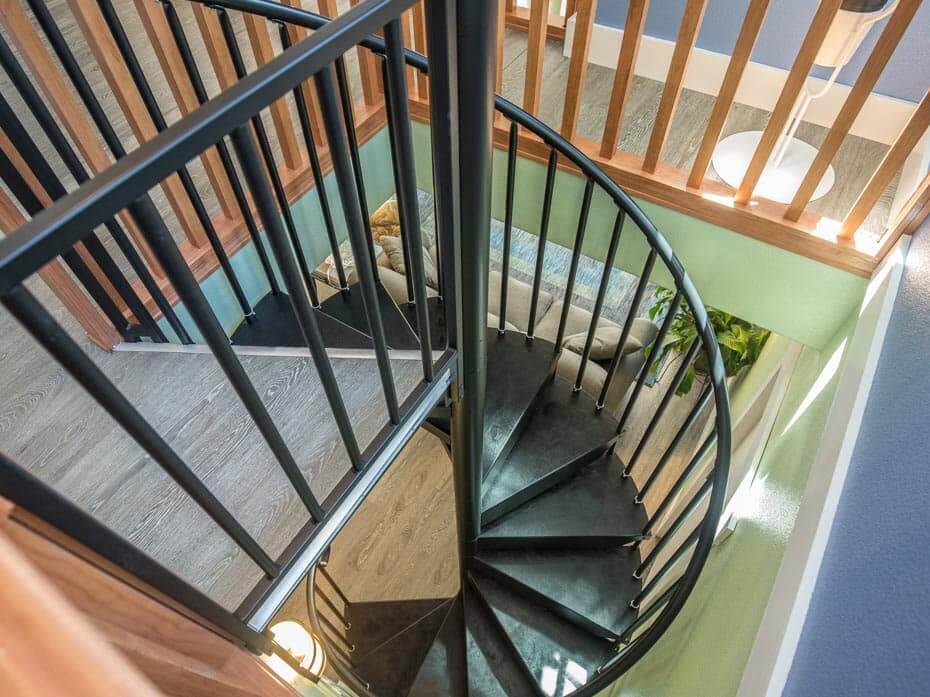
(604, 345)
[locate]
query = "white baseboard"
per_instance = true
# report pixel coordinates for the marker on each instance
(881, 119)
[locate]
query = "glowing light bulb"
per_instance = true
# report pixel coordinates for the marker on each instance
(294, 638)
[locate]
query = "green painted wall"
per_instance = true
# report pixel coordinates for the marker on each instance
(790, 294)
(379, 184)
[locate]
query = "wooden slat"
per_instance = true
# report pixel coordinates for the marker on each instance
(58, 92)
(212, 35)
(156, 27)
(257, 29)
(623, 78)
(578, 66)
(406, 23)
(419, 45)
(742, 51)
(861, 91)
(52, 648)
(369, 70)
(894, 159)
(912, 216)
(117, 75)
(797, 76)
(536, 49)
(65, 288)
(684, 45)
(307, 88)
(501, 35)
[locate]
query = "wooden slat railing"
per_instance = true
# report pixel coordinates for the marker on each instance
(578, 68)
(535, 54)
(623, 77)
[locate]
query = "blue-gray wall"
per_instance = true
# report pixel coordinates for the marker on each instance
(867, 632)
(787, 20)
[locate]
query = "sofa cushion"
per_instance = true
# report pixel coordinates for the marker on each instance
(518, 300)
(494, 321)
(578, 320)
(396, 285)
(604, 343)
(394, 251)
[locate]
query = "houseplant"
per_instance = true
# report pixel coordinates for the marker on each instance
(740, 341)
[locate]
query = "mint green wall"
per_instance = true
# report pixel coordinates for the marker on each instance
(379, 185)
(790, 294)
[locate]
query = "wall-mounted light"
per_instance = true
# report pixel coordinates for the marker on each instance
(306, 649)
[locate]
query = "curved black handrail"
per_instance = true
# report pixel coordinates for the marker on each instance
(657, 242)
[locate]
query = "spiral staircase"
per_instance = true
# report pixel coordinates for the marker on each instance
(568, 578)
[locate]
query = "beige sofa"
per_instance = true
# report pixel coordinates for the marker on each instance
(548, 313)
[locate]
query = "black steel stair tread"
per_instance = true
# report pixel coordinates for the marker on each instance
(592, 588)
(595, 504)
(492, 668)
(444, 671)
(374, 623)
(391, 668)
(437, 327)
(545, 641)
(564, 433)
(346, 306)
(517, 372)
(276, 325)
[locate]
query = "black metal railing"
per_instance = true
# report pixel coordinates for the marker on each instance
(122, 191)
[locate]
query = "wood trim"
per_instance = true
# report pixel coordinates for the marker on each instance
(65, 288)
(56, 650)
(742, 52)
(172, 66)
(684, 45)
(623, 77)
(668, 187)
(862, 89)
(535, 54)
(518, 18)
(914, 213)
(103, 46)
(578, 67)
(49, 79)
(891, 163)
(257, 29)
(372, 89)
(797, 76)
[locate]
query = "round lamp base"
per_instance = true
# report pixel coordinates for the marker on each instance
(733, 154)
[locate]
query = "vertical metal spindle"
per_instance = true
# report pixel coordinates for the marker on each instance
(37, 321)
(663, 405)
(601, 295)
(653, 356)
(348, 115)
(627, 326)
(200, 91)
(335, 586)
(696, 460)
(151, 105)
(666, 567)
(508, 221)
(685, 427)
(213, 333)
(573, 267)
(264, 201)
(395, 93)
(304, 117)
(672, 529)
(355, 222)
(271, 167)
(543, 235)
(648, 613)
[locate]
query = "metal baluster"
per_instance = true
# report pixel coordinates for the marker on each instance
(332, 606)
(37, 321)
(648, 613)
(705, 448)
(601, 295)
(264, 201)
(229, 35)
(335, 634)
(543, 235)
(673, 528)
(193, 72)
(663, 405)
(666, 567)
(151, 105)
(325, 574)
(355, 222)
(573, 267)
(395, 94)
(693, 415)
(199, 308)
(627, 326)
(508, 221)
(653, 355)
(304, 117)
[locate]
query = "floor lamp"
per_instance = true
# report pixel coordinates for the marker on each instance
(792, 157)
